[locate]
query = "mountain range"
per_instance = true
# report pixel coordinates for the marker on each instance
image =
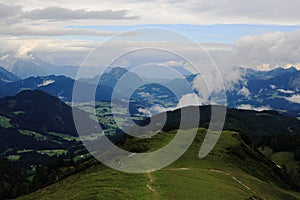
(59, 86)
(276, 89)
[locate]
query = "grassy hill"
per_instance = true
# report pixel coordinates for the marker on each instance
(232, 170)
(36, 129)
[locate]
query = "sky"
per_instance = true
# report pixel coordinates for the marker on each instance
(258, 34)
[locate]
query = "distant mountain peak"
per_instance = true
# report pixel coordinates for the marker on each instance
(292, 69)
(118, 72)
(27, 64)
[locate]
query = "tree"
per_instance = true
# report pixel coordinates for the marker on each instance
(40, 178)
(297, 154)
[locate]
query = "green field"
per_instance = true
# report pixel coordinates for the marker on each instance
(32, 134)
(231, 171)
(13, 157)
(5, 122)
(53, 152)
(64, 136)
(104, 114)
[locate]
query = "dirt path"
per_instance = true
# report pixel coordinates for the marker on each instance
(238, 181)
(179, 169)
(151, 180)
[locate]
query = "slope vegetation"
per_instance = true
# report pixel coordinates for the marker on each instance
(232, 170)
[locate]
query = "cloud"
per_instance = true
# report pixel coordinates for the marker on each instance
(155, 109)
(9, 10)
(246, 12)
(145, 112)
(294, 98)
(190, 100)
(21, 30)
(52, 21)
(144, 94)
(231, 74)
(263, 67)
(268, 50)
(186, 100)
(201, 86)
(286, 91)
(4, 56)
(58, 13)
(46, 82)
(244, 91)
(172, 63)
(166, 11)
(24, 50)
(250, 107)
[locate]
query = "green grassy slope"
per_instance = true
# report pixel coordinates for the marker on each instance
(231, 171)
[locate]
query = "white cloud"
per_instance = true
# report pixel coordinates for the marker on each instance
(192, 11)
(231, 75)
(244, 91)
(46, 82)
(163, 11)
(294, 98)
(186, 100)
(263, 67)
(201, 84)
(286, 91)
(4, 56)
(250, 107)
(268, 50)
(54, 21)
(144, 94)
(50, 31)
(25, 49)
(190, 100)
(157, 109)
(255, 11)
(172, 63)
(145, 112)
(296, 65)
